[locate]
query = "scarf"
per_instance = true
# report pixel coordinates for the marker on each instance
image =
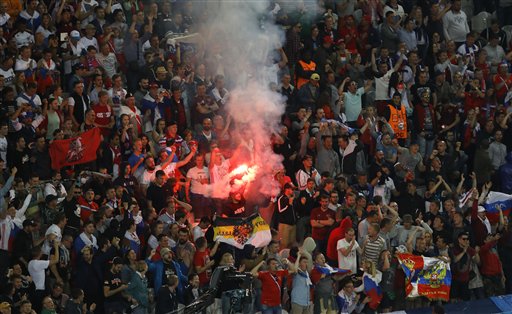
(132, 236)
(305, 274)
(89, 242)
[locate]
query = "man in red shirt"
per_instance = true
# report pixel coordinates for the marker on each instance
(104, 116)
(322, 219)
(87, 205)
(203, 262)
(272, 281)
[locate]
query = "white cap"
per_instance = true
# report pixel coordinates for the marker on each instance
(75, 34)
(481, 209)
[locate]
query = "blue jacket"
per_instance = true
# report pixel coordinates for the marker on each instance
(138, 289)
(157, 268)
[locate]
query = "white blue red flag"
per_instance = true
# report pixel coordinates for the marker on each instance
(329, 270)
(373, 290)
(426, 276)
(495, 201)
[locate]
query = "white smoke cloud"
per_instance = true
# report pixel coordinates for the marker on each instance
(244, 37)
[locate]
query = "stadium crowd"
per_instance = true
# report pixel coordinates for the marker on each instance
(395, 129)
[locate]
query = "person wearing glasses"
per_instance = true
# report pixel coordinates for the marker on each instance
(462, 255)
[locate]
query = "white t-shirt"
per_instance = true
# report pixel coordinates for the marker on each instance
(197, 232)
(219, 171)
(8, 75)
(22, 100)
(349, 261)
(148, 176)
(3, 150)
(196, 175)
(381, 86)
(36, 268)
(22, 65)
(86, 42)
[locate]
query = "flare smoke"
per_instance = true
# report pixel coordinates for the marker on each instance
(242, 39)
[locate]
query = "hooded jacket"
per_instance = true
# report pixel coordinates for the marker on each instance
(336, 235)
(307, 250)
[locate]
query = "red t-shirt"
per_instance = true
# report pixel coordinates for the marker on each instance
(103, 117)
(87, 209)
(319, 214)
(200, 260)
(272, 283)
(460, 272)
(500, 93)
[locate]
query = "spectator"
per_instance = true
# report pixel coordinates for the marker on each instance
(322, 218)
(455, 24)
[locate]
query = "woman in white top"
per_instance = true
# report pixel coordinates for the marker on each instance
(46, 28)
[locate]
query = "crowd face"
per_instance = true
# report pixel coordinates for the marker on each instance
(324, 203)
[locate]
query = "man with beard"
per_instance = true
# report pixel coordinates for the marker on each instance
(176, 110)
(167, 166)
(55, 187)
(165, 267)
(185, 249)
(203, 106)
(87, 205)
(235, 206)
(72, 210)
(205, 136)
(87, 276)
(141, 91)
(19, 158)
(113, 288)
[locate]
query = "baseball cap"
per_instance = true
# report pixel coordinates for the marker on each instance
(407, 218)
(29, 222)
(164, 251)
(5, 306)
(340, 41)
(128, 95)
(153, 85)
(161, 70)
(481, 209)
(315, 77)
(74, 34)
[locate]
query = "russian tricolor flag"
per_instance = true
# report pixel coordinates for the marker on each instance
(373, 290)
(328, 270)
(495, 201)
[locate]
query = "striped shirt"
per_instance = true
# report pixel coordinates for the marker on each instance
(373, 249)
